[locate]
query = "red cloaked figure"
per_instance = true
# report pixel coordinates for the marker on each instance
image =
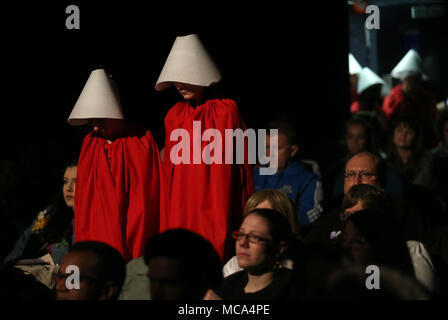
(118, 184)
(206, 198)
(117, 191)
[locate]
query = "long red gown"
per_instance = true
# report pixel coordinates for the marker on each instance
(205, 198)
(118, 191)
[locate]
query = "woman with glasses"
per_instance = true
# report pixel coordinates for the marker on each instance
(268, 199)
(263, 240)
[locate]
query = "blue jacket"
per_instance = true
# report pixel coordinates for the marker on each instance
(303, 187)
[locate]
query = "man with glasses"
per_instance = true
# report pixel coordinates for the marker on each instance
(361, 168)
(90, 271)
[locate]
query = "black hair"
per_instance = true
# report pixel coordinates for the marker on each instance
(372, 197)
(385, 237)
(284, 125)
(111, 265)
(408, 170)
(372, 128)
(199, 260)
(59, 227)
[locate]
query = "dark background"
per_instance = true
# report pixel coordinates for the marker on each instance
(275, 56)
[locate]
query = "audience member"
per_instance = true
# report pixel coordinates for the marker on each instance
(302, 185)
(349, 283)
(52, 230)
(182, 265)
(372, 237)
(261, 243)
(268, 199)
(358, 136)
(406, 154)
(101, 270)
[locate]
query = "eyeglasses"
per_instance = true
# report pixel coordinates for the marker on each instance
(237, 235)
(351, 175)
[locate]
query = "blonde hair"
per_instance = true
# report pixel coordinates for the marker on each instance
(278, 201)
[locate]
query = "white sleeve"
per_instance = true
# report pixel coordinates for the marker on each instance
(424, 269)
(231, 267)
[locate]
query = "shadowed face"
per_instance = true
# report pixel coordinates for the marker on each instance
(285, 152)
(355, 138)
(403, 136)
(412, 83)
(89, 289)
(166, 279)
(190, 92)
(107, 128)
(355, 245)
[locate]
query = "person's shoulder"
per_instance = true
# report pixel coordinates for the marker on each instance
(234, 278)
(398, 89)
(228, 105)
(395, 94)
(300, 168)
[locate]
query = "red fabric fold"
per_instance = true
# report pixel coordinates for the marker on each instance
(205, 198)
(118, 191)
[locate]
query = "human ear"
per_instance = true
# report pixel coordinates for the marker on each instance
(282, 248)
(294, 149)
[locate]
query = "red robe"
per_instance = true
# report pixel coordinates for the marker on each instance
(356, 107)
(118, 191)
(396, 104)
(205, 198)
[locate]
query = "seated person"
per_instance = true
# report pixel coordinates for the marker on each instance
(301, 184)
(102, 271)
(358, 136)
(374, 237)
(268, 199)
(261, 243)
(181, 265)
(361, 168)
(52, 230)
(406, 153)
(349, 283)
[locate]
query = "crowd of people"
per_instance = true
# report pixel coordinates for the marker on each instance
(144, 223)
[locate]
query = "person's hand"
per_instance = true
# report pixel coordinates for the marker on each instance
(211, 295)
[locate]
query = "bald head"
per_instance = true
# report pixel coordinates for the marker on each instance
(362, 168)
